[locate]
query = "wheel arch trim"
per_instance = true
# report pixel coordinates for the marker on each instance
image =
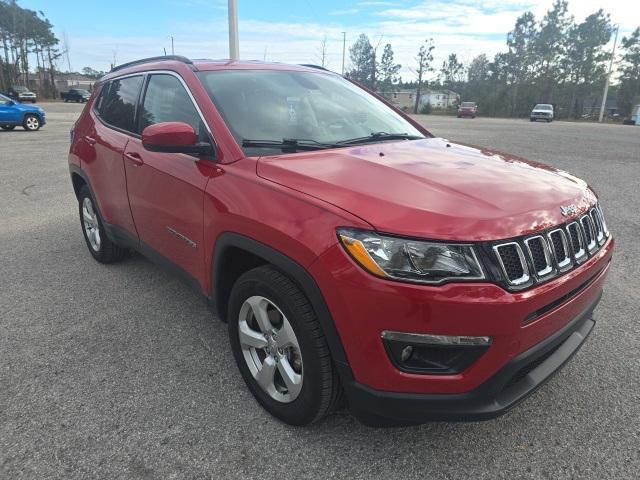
(297, 273)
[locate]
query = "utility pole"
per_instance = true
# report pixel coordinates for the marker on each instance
(606, 83)
(234, 49)
(344, 47)
(173, 52)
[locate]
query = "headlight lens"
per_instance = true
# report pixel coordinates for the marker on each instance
(411, 260)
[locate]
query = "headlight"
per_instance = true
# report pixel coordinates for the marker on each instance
(411, 260)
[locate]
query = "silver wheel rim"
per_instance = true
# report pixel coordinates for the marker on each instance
(32, 123)
(90, 224)
(270, 349)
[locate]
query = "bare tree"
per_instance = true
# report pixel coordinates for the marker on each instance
(322, 52)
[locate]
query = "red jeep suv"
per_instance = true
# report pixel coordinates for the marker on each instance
(356, 258)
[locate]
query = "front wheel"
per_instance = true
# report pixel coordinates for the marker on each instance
(31, 123)
(279, 347)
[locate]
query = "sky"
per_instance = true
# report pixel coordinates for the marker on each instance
(291, 31)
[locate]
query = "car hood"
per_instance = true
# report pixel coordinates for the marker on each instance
(27, 108)
(432, 188)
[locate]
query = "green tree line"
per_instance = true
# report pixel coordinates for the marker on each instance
(549, 60)
(27, 44)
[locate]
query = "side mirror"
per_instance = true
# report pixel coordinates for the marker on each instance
(174, 137)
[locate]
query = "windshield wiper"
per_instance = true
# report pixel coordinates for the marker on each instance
(377, 136)
(289, 145)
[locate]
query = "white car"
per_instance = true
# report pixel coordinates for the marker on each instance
(542, 111)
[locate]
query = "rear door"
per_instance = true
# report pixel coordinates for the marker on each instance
(166, 190)
(112, 127)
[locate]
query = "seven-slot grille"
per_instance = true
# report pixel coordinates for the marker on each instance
(540, 257)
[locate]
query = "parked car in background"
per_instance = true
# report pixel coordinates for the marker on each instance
(77, 95)
(352, 253)
(467, 109)
(542, 111)
(21, 94)
(12, 114)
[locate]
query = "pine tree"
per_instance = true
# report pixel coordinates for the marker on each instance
(388, 72)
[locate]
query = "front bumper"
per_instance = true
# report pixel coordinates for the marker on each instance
(514, 382)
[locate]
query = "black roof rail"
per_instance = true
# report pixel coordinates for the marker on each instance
(177, 58)
(310, 65)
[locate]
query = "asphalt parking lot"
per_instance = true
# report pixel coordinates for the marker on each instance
(122, 372)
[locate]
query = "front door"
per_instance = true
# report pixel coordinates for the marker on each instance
(166, 190)
(8, 113)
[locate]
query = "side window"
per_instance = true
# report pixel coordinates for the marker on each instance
(166, 100)
(118, 105)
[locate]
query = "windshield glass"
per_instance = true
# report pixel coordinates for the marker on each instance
(274, 105)
(20, 89)
(4, 100)
(468, 104)
(543, 106)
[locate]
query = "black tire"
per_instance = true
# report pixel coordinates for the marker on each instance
(320, 392)
(8, 127)
(31, 123)
(107, 252)
(532, 119)
(66, 100)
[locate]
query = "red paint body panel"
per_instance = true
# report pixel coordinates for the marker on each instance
(105, 166)
(433, 189)
(166, 194)
(180, 205)
(169, 134)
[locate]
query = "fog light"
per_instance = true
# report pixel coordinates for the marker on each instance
(433, 354)
(406, 353)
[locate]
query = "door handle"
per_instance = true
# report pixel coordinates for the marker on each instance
(134, 158)
(90, 140)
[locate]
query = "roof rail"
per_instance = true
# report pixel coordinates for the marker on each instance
(177, 58)
(310, 65)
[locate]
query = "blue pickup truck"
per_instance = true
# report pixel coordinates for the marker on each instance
(12, 114)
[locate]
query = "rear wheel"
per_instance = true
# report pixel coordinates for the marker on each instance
(31, 123)
(279, 347)
(8, 127)
(100, 247)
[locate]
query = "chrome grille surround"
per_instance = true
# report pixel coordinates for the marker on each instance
(576, 240)
(549, 254)
(563, 263)
(522, 280)
(589, 232)
(548, 267)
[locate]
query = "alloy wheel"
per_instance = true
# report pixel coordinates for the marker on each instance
(90, 224)
(270, 349)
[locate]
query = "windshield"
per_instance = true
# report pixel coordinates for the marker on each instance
(468, 104)
(275, 105)
(4, 100)
(20, 89)
(543, 106)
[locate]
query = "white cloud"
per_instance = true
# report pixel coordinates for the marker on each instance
(464, 27)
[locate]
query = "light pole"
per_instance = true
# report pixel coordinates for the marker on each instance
(234, 49)
(606, 83)
(344, 46)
